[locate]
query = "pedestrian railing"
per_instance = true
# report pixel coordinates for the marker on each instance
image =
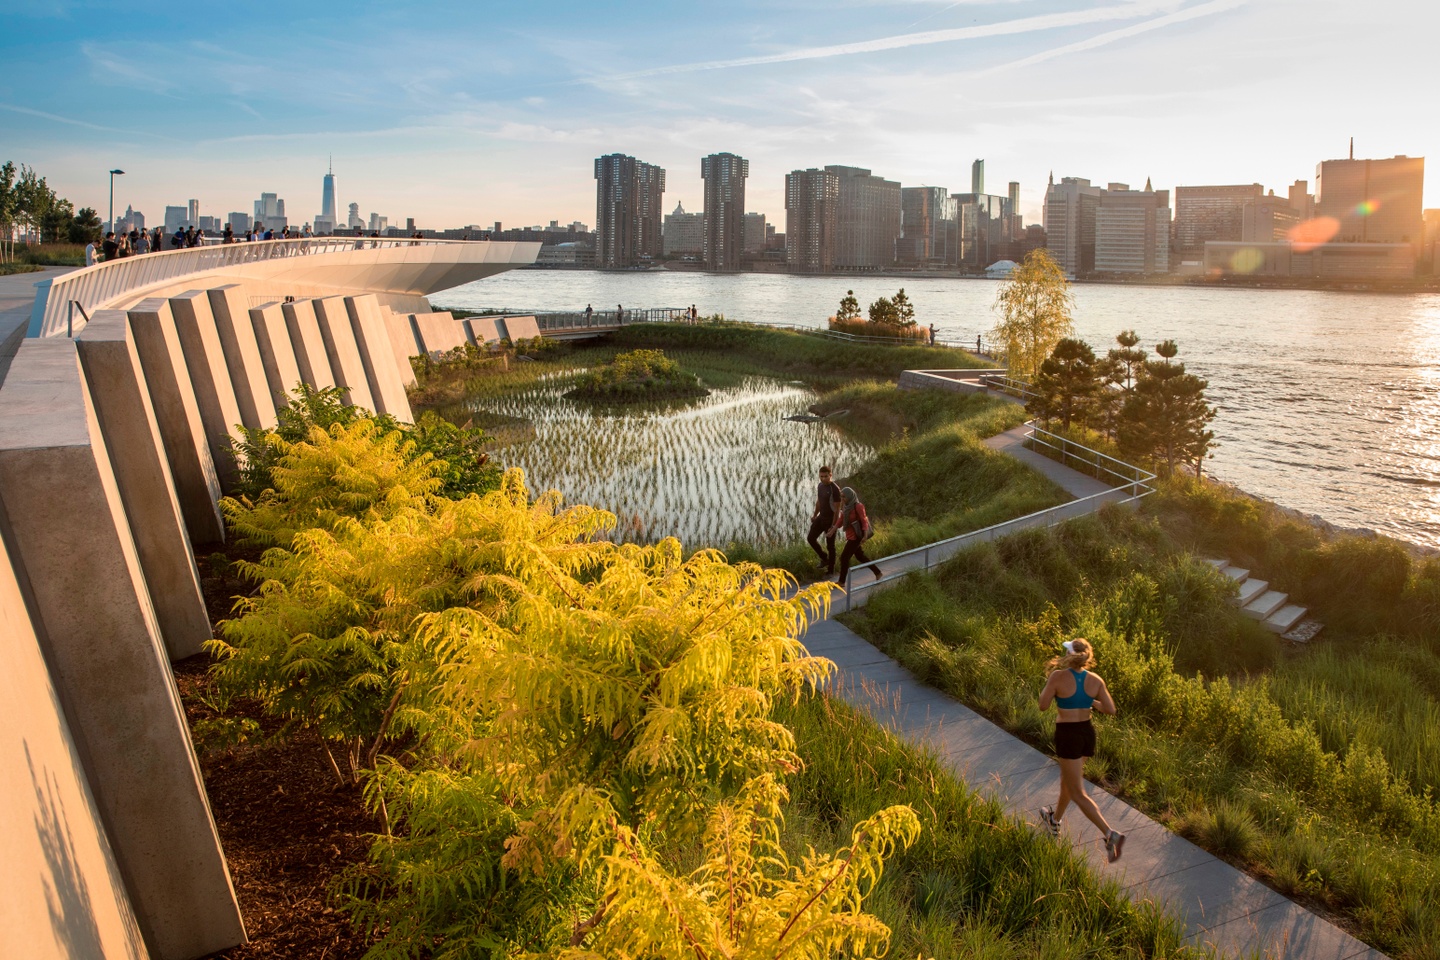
(1131, 484)
(104, 282)
(1010, 386)
(566, 321)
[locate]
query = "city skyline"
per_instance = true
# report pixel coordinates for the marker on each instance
(424, 124)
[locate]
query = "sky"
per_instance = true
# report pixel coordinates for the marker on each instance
(469, 113)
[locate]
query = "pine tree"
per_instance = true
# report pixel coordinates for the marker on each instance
(1035, 307)
(1128, 358)
(849, 308)
(882, 311)
(1068, 385)
(1165, 418)
(904, 309)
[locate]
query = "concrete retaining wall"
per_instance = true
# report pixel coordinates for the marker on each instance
(955, 381)
(209, 376)
(242, 356)
(277, 353)
(102, 643)
(483, 330)
(438, 333)
(343, 351)
(404, 342)
(309, 345)
(382, 370)
(521, 328)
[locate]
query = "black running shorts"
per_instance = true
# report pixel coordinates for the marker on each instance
(1074, 739)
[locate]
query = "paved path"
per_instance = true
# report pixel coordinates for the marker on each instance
(1221, 906)
(17, 296)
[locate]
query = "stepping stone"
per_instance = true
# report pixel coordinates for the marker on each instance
(1267, 603)
(1238, 574)
(1284, 619)
(1251, 589)
(1304, 632)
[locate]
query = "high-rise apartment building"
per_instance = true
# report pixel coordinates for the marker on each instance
(684, 233)
(812, 201)
(1132, 230)
(1375, 201)
(192, 213)
(1017, 222)
(724, 175)
(628, 215)
(927, 226)
(867, 219)
(984, 229)
(977, 177)
(270, 210)
(353, 220)
(1209, 213)
(1070, 208)
(754, 232)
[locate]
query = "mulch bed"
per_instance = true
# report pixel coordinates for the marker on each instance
(287, 829)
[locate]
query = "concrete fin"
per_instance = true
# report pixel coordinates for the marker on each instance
(210, 377)
(309, 345)
(343, 351)
(242, 356)
(382, 370)
(277, 353)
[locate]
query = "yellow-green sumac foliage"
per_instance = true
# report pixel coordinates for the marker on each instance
(521, 695)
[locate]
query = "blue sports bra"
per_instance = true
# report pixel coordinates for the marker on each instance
(1079, 700)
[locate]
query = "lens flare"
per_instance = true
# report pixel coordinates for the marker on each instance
(1247, 260)
(1309, 234)
(1366, 207)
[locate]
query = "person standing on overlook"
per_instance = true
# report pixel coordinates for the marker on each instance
(110, 248)
(90, 260)
(856, 524)
(157, 241)
(1075, 735)
(822, 520)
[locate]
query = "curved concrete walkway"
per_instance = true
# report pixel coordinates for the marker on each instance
(1221, 906)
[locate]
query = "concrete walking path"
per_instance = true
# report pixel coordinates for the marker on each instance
(1221, 906)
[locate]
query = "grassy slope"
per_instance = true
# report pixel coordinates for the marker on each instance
(1314, 769)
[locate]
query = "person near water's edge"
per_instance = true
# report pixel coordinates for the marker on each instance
(823, 520)
(853, 520)
(1075, 736)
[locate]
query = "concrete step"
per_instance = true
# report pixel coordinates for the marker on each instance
(1251, 589)
(1285, 619)
(1267, 603)
(1238, 574)
(1305, 631)
(1218, 564)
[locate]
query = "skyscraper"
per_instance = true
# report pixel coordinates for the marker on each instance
(1210, 213)
(977, 177)
(812, 199)
(1374, 201)
(192, 213)
(1132, 230)
(325, 220)
(754, 233)
(353, 221)
(628, 195)
(1070, 208)
(684, 233)
(927, 223)
(867, 219)
(724, 175)
(270, 210)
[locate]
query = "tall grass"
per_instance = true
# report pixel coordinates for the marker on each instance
(1314, 769)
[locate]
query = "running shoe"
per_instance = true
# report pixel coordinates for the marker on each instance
(1047, 817)
(1114, 844)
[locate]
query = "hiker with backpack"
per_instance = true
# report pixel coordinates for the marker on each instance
(856, 524)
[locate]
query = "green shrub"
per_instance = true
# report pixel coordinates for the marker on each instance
(638, 375)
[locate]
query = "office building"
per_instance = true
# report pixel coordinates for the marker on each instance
(1070, 208)
(1302, 201)
(353, 220)
(1338, 261)
(192, 213)
(175, 219)
(1374, 201)
(754, 233)
(1132, 231)
(325, 222)
(378, 223)
(1210, 213)
(724, 175)
(927, 226)
(867, 219)
(240, 223)
(1017, 222)
(1268, 219)
(812, 200)
(628, 195)
(132, 220)
(211, 225)
(984, 229)
(1431, 255)
(684, 233)
(270, 210)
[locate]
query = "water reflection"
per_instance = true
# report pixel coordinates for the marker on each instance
(710, 471)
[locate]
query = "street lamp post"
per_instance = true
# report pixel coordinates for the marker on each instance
(111, 224)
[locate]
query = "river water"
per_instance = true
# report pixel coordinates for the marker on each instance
(1329, 403)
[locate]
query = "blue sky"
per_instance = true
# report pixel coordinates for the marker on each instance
(475, 112)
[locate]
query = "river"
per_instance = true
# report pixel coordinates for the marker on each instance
(1329, 403)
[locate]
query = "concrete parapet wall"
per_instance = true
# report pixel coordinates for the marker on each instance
(438, 333)
(956, 381)
(209, 376)
(483, 330)
(242, 356)
(106, 658)
(521, 328)
(343, 351)
(382, 369)
(404, 343)
(309, 345)
(177, 415)
(277, 353)
(127, 420)
(61, 893)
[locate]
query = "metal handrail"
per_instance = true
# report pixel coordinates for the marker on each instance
(1008, 385)
(104, 282)
(930, 555)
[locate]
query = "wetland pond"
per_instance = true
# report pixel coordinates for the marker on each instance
(715, 470)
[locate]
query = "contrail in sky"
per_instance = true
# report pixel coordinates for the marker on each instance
(1049, 21)
(1100, 40)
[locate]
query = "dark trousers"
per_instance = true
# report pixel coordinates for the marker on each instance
(854, 550)
(827, 556)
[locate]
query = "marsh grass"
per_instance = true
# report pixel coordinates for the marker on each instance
(1315, 769)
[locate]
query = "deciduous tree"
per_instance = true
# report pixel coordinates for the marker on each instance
(1035, 307)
